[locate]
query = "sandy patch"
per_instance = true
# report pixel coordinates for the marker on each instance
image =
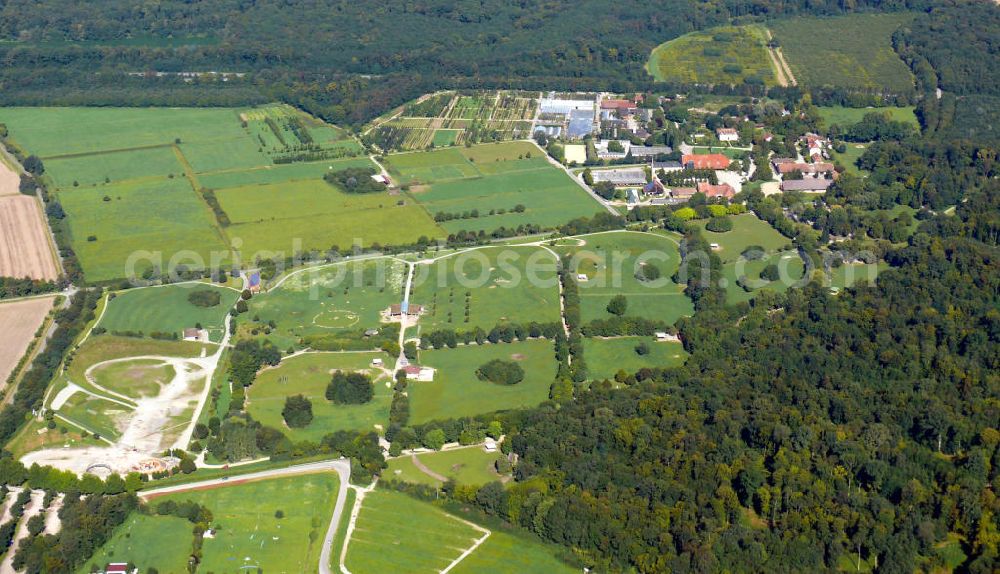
(517, 357)
(10, 181)
(20, 320)
(24, 240)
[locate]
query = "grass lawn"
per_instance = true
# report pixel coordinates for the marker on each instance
(108, 224)
(728, 54)
(500, 285)
(504, 553)
(279, 173)
(848, 116)
(469, 465)
(606, 356)
(167, 309)
(98, 169)
(611, 260)
(35, 436)
(850, 157)
(849, 51)
(445, 137)
(105, 347)
(136, 379)
(396, 533)
(161, 542)
(747, 230)
(457, 392)
(852, 274)
(344, 297)
(248, 532)
(789, 263)
(96, 415)
(309, 375)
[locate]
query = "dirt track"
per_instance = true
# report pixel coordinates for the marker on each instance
(24, 241)
(20, 320)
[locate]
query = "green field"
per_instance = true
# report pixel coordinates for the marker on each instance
(850, 157)
(248, 532)
(96, 415)
(136, 379)
(606, 356)
(469, 465)
(161, 542)
(611, 260)
(499, 284)
(396, 533)
(338, 298)
(789, 263)
(106, 347)
(445, 137)
(747, 230)
(847, 51)
(269, 174)
(167, 309)
(491, 177)
(309, 375)
(848, 116)
(728, 54)
(150, 164)
(457, 392)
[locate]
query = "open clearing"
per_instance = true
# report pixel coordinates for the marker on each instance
(20, 320)
(847, 116)
(457, 392)
(747, 230)
(166, 309)
(161, 542)
(727, 54)
(848, 51)
(25, 249)
(791, 269)
(606, 356)
(309, 375)
(468, 465)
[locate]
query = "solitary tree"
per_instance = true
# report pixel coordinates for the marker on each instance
(298, 411)
(618, 305)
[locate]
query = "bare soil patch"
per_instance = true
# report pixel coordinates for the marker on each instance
(20, 320)
(24, 241)
(10, 181)
(517, 357)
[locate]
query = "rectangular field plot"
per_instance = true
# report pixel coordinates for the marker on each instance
(250, 536)
(497, 285)
(110, 223)
(237, 153)
(161, 542)
(427, 167)
(20, 320)
(395, 533)
(279, 173)
(25, 250)
(605, 357)
(611, 262)
(457, 392)
(295, 199)
(309, 375)
(87, 170)
(169, 309)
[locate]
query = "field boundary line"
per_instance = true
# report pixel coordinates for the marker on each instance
(112, 151)
(486, 534)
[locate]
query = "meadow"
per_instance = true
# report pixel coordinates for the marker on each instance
(309, 375)
(250, 535)
(468, 465)
(504, 553)
(611, 260)
(605, 357)
(167, 309)
(847, 116)
(106, 347)
(136, 379)
(499, 285)
(457, 392)
(728, 54)
(97, 415)
(853, 51)
(789, 264)
(747, 230)
(850, 157)
(149, 541)
(491, 178)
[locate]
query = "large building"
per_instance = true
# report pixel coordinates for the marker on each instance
(705, 161)
(634, 176)
(722, 190)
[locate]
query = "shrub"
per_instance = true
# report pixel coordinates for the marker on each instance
(753, 253)
(719, 224)
(298, 411)
(770, 273)
(642, 349)
(685, 214)
(618, 305)
(204, 298)
(501, 372)
(349, 388)
(647, 272)
(717, 210)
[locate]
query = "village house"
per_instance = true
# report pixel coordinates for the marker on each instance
(418, 373)
(816, 145)
(722, 190)
(705, 161)
(653, 188)
(807, 184)
(727, 135)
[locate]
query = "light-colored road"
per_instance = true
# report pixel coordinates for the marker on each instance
(341, 466)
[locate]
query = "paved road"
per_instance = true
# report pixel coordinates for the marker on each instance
(341, 466)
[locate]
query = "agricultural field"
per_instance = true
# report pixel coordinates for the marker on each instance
(457, 392)
(605, 357)
(25, 247)
(396, 533)
(20, 320)
(468, 465)
(309, 375)
(111, 167)
(496, 285)
(247, 532)
(344, 298)
(449, 119)
(747, 230)
(611, 261)
(727, 54)
(848, 116)
(167, 309)
(491, 186)
(852, 51)
(149, 541)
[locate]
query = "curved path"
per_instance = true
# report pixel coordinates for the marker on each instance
(341, 466)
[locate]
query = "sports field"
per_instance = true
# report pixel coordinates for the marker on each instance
(468, 465)
(747, 230)
(611, 261)
(493, 180)
(161, 542)
(457, 392)
(853, 51)
(728, 54)
(167, 309)
(250, 535)
(605, 357)
(497, 285)
(309, 375)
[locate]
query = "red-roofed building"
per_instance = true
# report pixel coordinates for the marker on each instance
(620, 105)
(705, 161)
(721, 190)
(727, 135)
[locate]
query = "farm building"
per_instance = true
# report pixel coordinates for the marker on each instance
(550, 131)
(705, 161)
(621, 177)
(254, 281)
(410, 309)
(564, 107)
(809, 184)
(376, 362)
(721, 190)
(683, 193)
(641, 151)
(727, 135)
(381, 179)
(622, 106)
(418, 373)
(581, 123)
(653, 188)
(195, 334)
(667, 166)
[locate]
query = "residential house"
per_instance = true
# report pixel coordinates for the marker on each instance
(653, 188)
(254, 282)
(705, 161)
(418, 373)
(727, 135)
(807, 184)
(722, 190)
